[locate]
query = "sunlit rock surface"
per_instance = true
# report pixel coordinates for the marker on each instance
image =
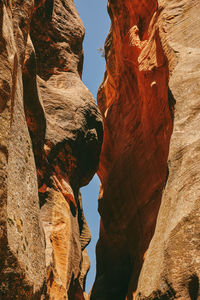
(152, 54)
(172, 265)
(50, 141)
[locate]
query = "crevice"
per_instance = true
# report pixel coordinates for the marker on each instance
(193, 287)
(49, 4)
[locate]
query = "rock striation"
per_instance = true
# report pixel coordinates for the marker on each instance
(50, 141)
(150, 153)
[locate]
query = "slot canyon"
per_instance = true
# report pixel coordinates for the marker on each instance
(142, 138)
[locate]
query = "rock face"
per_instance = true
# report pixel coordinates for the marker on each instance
(152, 54)
(50, 141)
(172, 264)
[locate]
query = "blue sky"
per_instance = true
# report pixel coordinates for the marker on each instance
(96, 21)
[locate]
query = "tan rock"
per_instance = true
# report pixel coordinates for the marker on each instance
(50, 141)
(22, 247)
(171, 266)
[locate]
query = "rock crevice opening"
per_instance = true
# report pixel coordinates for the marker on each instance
(51, 145)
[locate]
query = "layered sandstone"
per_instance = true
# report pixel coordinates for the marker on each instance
(50, 140)
(152, 55)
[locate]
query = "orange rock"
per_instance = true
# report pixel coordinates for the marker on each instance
(138, 122)
(171, 268)
(152, 53)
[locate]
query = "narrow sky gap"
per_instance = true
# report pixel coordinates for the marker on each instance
(96, 21)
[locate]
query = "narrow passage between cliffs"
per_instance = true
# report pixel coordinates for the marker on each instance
(96, 22)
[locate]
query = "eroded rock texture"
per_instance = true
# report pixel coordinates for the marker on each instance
(152, 54)
(50, 140)
(172, 265)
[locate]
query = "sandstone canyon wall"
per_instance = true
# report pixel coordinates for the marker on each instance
(50, 141)
(149, 100)
(172, 265)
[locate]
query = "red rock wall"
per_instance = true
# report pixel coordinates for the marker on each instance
(152, 61)
(50, 141)
(137, 109)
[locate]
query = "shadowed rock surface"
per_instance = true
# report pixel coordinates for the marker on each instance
(152, 54)
(50, 141)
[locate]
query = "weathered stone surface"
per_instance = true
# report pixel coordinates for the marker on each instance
(72, 143)
(51, 135)
(134, 101)
(50, 141)
(22, 265)
(172, 265)
(152, 54)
